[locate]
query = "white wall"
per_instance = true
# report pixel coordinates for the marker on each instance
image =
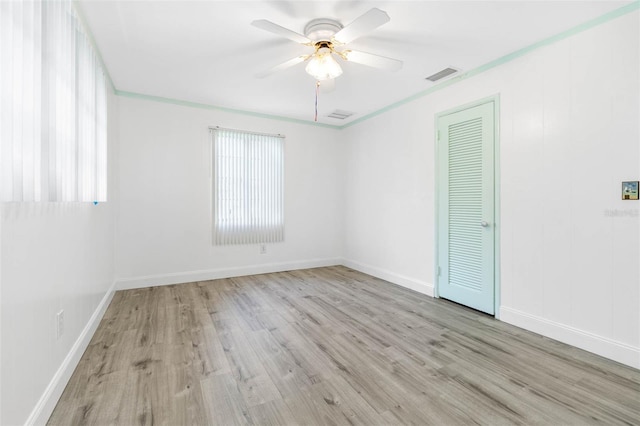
(569, 136)
(164, 220)
(389, 198)
(53, 256)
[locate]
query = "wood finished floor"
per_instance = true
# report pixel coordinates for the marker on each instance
(330, 346)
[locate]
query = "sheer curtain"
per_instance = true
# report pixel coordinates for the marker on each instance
(248, 187)
(53, 114)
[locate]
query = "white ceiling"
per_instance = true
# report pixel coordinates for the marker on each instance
(207, 51)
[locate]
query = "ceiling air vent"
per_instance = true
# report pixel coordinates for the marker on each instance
(340, 115)
(442, 74)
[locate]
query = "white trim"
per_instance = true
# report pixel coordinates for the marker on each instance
(608, 348)
(401, 280)
(212, 274)
(47, 402)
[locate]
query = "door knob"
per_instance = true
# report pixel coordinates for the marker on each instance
(484, 224)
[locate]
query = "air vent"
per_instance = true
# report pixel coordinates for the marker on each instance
(442, 74)
(340, 115)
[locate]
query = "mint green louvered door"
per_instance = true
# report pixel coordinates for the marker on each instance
(466, 229)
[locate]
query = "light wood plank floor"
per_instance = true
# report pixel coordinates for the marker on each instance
(330, 346)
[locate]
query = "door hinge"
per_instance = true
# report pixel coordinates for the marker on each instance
(439, 271)
(438, 134)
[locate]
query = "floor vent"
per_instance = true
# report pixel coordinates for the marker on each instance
(442, 74)
(340, 115)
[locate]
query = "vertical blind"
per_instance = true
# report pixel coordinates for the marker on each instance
(248, 187)
(53, 107)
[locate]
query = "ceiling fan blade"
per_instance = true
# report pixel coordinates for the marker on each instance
(283, 66)
(263, 24)
(362, 25)
(375, 61)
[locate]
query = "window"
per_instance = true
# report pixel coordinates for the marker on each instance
(248, 187)
(53, 106)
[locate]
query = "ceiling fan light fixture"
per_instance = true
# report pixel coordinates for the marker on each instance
(322, 66)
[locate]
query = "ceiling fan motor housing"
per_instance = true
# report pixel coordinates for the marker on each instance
(322, 29)
(328, 37)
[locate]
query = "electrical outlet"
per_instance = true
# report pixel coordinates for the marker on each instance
(263, 249)
(59, 324)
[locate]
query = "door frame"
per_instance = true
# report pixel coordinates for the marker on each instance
(495, 99)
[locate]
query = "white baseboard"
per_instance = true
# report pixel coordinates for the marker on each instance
(47, 402)
(213, 274)
(617, 351)
(401, 280)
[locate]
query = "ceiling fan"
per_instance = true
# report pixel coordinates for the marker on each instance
(328, 37)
